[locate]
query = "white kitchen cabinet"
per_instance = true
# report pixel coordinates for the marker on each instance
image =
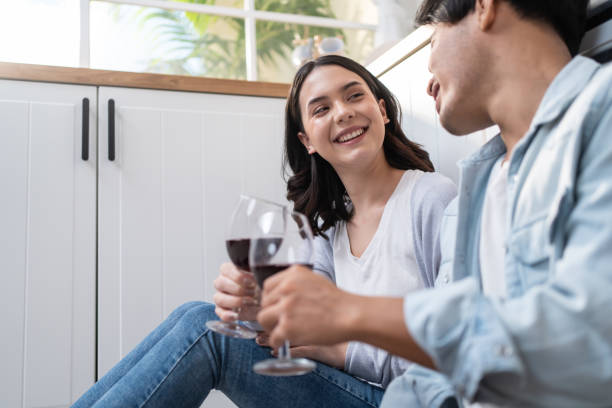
(47, 244)
(180, 162)
(154, 217)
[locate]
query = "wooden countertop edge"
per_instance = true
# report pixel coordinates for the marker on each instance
(96, 77)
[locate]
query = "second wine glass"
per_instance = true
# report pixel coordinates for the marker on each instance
(276, 249)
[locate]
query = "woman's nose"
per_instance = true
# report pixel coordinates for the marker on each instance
(343, 112)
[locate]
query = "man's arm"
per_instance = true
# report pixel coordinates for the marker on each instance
(307, 309)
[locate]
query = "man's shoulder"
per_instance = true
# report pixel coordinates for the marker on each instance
(598, 90)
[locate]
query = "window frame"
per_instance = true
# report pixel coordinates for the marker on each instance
(248, 13)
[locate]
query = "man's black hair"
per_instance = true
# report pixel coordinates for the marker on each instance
(567, 17)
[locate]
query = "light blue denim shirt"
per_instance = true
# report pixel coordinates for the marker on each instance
(549, 343)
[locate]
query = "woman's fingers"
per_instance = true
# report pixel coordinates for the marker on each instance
(225, 314)
(234, 282)
(262, 339)
(226, 301)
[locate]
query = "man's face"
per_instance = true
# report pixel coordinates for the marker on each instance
(458, 63)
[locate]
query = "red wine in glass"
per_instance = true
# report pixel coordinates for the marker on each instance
(238, 251)
(263, 272)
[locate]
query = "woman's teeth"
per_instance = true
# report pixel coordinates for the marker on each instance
(351, 136)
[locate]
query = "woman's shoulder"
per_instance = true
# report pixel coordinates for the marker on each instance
(432, 189)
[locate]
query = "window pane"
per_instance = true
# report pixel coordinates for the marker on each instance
(40, 32)
(222, 3)
(279, 53)
(361, 11)
(131, 38)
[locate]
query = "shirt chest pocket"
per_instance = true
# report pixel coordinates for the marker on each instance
(532, 245)
(529, 250)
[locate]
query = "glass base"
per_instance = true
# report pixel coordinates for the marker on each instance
(284, 367)
(231, 329)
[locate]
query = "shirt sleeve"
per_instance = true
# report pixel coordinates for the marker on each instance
(551, 346)
(324, 255)
(373, 364)
(430, 196)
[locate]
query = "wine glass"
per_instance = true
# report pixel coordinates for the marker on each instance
(242, 227)
(272, 251)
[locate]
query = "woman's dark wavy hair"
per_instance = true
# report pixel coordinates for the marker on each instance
(314, 187)
(567, 17)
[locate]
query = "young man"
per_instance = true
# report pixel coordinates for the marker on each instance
(526, 321)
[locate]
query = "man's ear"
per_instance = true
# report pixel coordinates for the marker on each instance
(486, 11)
(383, 110)
(306, 142)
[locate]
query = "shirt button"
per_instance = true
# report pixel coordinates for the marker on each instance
(503, 351)
(445, 278)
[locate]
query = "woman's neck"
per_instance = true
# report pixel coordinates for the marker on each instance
(370, 186)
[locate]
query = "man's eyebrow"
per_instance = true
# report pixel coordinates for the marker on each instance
(343, 88)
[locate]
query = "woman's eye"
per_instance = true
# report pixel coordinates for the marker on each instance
(319, 110)
(356, 95)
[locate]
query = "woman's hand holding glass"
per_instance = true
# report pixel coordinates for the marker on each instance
(237, 296)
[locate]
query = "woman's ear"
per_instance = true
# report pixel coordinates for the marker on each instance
(306, 142)
(383, 110)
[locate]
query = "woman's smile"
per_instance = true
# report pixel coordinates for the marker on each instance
(351, 135)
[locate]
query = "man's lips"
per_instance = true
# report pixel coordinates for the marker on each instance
(435, 93)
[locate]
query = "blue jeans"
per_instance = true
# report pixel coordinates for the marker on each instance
(181, 361)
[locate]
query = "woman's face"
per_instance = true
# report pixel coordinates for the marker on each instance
(342, 119)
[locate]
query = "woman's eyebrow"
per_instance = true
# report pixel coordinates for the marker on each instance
(342, 89)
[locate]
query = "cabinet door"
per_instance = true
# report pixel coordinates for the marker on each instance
(47, 244)
(181, 160)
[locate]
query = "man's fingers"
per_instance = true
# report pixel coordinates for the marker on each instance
(268, 317)
(276, 287)
(303, 351)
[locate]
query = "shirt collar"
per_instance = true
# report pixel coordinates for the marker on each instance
(566, 86)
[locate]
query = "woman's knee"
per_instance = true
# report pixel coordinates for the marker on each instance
(197, 314)
(185, 308)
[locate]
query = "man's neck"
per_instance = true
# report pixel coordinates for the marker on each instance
(525, 70)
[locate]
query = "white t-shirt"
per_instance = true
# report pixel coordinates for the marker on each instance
(403, 255)
(386, 267)
(493, 228)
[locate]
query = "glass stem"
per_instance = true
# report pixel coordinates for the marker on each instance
(283, 351)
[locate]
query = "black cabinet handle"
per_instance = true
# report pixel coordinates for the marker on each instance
(111, 130)
(85, 134)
